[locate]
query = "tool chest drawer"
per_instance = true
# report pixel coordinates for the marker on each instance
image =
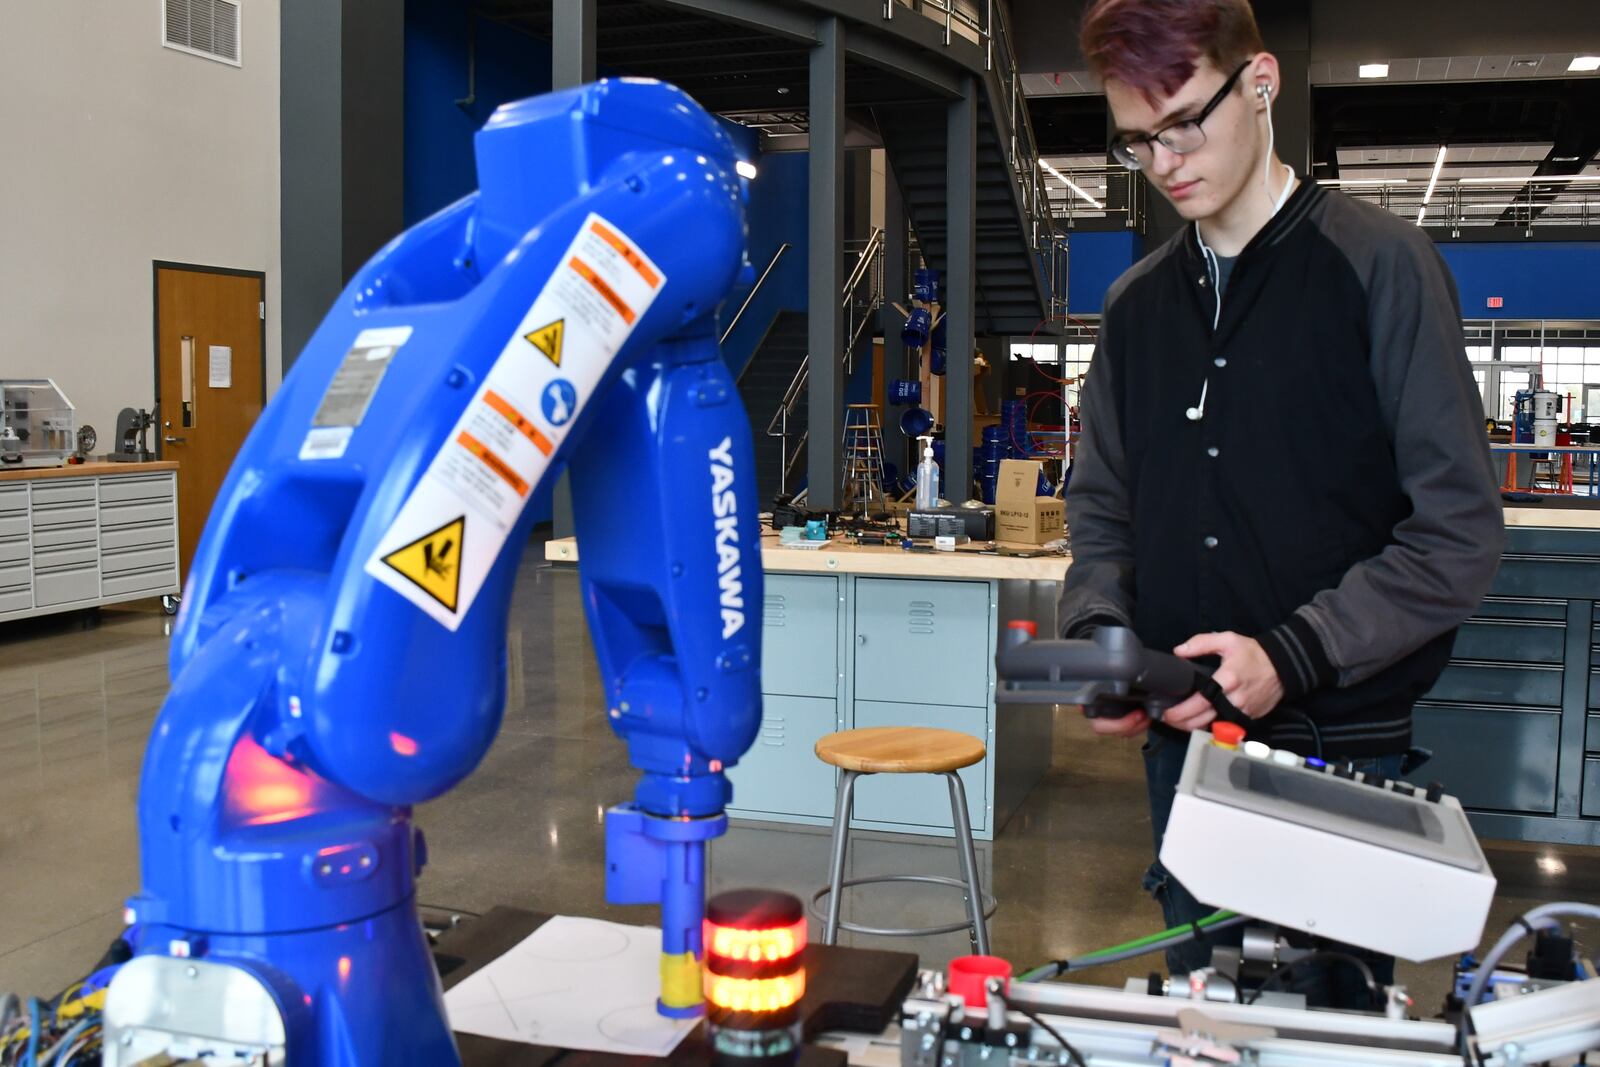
(135, 487)
(1499, 683)
(1491, 758)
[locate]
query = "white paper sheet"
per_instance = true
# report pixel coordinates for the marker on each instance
(221, 376)
(572, 983)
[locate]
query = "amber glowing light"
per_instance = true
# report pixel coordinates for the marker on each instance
(756, 946)
(755, 994)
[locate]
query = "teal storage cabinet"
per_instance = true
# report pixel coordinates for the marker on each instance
(848, 650)
(781, 775)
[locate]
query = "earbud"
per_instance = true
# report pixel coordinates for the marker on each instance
(1264, 90)
(1198, 412)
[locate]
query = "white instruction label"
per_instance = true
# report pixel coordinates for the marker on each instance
(452, 527)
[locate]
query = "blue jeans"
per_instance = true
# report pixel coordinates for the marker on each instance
(1332, 986)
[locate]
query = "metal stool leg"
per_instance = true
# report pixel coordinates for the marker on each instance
(844, 807)
(969, 862)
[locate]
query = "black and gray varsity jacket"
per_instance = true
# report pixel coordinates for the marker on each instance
(1336, 500)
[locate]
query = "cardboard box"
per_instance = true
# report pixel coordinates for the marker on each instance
(1021, 516)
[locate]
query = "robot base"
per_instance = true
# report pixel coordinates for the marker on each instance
(364, 993)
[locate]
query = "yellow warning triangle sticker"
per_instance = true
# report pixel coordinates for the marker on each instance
(547, 339)
(433, 562)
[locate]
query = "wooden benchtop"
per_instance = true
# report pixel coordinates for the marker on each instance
(843, 557)
(84, 470)
(1554, 516)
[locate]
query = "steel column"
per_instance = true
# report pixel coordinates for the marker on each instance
(961, 193)
(824, 316)
(895, 273)
(572, 43)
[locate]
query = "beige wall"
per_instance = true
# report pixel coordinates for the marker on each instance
(115, 152)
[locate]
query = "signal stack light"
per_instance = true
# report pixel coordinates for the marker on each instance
(755, 943)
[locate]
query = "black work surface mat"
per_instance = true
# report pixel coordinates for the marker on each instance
(846, 989)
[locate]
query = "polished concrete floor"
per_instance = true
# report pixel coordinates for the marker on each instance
(78, 695)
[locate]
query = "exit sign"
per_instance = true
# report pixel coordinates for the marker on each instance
(1497, 301)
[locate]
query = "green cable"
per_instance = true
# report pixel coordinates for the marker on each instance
(1209, 920)
(1051, 969)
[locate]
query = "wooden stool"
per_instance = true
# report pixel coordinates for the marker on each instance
(903, 750)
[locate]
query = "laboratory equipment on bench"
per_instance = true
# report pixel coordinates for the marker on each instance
(38, 426)
(130, 445)
(340, 653)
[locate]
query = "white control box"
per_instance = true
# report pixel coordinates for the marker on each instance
(1379, 865)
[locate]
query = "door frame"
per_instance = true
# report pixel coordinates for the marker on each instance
(156, 267)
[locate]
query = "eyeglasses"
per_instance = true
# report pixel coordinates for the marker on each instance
(1181, 137)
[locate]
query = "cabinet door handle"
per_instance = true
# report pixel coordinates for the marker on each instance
(171, 440)
(861, 639)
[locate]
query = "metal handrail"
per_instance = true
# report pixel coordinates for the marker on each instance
(1530, 202)
(754, 289)
(868, 268)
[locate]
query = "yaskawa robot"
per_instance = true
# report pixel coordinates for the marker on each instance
(340, 655)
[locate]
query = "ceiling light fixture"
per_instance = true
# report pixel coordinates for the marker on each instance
(1422, 214)
(1374, 70)
(1583, 64)
(1438, 165)
(1364, 181)
(1070, 184)
(746, 170)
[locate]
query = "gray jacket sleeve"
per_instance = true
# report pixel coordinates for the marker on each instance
(1443, 556)
(1099, 585)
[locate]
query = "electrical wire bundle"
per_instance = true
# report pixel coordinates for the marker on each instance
(63, 1031)
(1143, 946)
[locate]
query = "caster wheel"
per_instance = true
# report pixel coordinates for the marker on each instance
(169, 603)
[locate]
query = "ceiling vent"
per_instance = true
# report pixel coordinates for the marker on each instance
(208, 28)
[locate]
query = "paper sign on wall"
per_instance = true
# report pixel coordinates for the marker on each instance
(221, 376)
(501, 445)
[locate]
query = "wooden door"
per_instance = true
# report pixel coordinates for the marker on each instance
(210, 383)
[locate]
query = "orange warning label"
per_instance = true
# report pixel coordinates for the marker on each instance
(587, 273)
(433, 562)
(515, 418)
(627, 252)
(493, 462)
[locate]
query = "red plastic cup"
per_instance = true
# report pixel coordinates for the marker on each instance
(968, 975)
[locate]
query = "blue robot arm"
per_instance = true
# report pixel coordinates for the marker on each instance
(340, 653)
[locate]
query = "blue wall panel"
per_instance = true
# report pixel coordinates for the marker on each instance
(1538, 279)
(438, 147)
(1094, 261)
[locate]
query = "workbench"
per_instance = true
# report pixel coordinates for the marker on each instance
(857, 635)
(87, 534)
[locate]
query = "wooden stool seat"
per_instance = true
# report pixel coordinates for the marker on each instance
(900, 750)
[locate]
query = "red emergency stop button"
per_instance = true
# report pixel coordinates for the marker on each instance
(1227, 734)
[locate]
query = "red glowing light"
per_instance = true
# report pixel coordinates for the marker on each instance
(261, 789)
(755, 994)
(755, 946)
(402, 744)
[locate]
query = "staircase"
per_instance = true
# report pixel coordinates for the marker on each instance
(1012, 289)
(762, 385)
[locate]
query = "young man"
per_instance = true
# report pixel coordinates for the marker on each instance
(1283, 469)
